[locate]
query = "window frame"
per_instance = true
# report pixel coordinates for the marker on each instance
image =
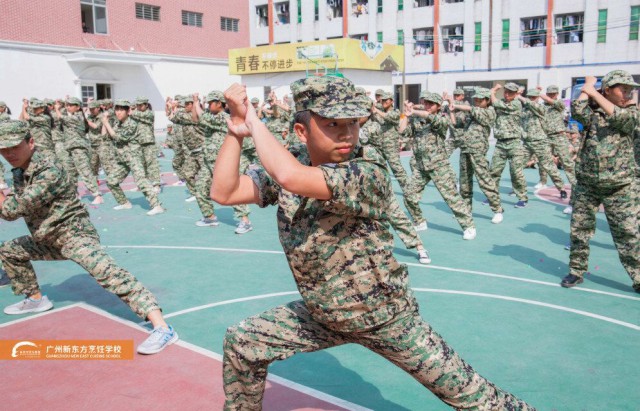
(97, 4)
(602, 25)
(506, 33)
(477, 43)
(186, 14)
(152, 10)
(234, 23)
(634, 23)
(566, 31)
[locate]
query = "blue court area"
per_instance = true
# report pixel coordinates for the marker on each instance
(496, 300)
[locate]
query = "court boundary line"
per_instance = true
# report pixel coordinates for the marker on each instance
(202, 351)
(435, 267)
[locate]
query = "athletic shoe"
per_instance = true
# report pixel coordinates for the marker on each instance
(571, 281)
(421, 227)
(469, 234)
(207, 222)
(485, 202)
(521, 204)
(497, 218)
(156, 210)
(97, 200)
(125, 206)
(567, 246)
(568, 210)
(157, 189)
(29, 306)
(563, 194)
(4, 279)
(540, 185)
(179, 183)
(3, 186)
(423, 257)
(512, 194)
(190, 199)
(243, 227)
(159, 339)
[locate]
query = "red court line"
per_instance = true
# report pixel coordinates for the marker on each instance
(177, 378)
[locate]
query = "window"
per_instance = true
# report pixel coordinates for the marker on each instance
(400, 37)
(423, 3)
(423, 41)
(505, 34)
(362, 37)
(87, 93)
(359, 7)
(379, 6)
(228, 24)
(400, 5)
(190, 18)
(94, 16)
(282, 12)
(379, 37)
(569, 28)
(299, 11)
(453, 38)
(95, 91)
(477, 46)
(634, 23)
(316, 10)
(453, 1)
(533, 32)
(335, 9)
(602, 26)
(147, 12)
(262, 16)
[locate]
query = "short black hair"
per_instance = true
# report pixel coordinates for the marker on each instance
(303, 117)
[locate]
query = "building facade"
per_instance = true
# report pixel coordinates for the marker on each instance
(450, 43)
(118, 49)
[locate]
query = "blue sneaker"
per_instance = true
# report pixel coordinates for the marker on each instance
(485, 202)
(521, 204)
(207, 222)
(567, 246)
(159, 339)
(243, 227)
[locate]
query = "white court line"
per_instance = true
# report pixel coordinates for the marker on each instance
(273, 378)
(435, 267)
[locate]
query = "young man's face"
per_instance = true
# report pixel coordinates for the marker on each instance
(509, 95)
(121, 113)
(215, 106)
(620, 94)
(329, 140)
(430, 106)
(142, 107)
(387, 103)
(552, 96)
(72, 108)
(458, 97)
(481, 102)
(19, 156)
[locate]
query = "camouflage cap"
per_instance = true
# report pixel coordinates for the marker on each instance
(122, 102)
(618, 77)
(35, 103)
(3, 104)
(385, 95)
(255, 100)
(533, 92)
(360, 91)
(106, 101)
(553, 89)
(216, 95)
(329, 97)
(482, 92)
(12, 133)
(458, 91)
(431, 97)
(74, 101)
(142, 100)
(48, 101)
(379, 92)
(512, 86)
(95, 104)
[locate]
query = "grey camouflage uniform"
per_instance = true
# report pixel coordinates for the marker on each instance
(79, 150)
(456, 130)
(390, 147)
(555, 129)
(147, 141)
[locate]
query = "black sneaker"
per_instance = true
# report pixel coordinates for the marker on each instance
(563, 194)
(571, 281)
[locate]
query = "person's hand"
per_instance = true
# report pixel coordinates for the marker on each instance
(520, 90)
(168, 99)
(496, 87)
(196, 97)
(25, 103)
(408, 108)
(539, 88)
(57, 105)
(589, 84)
(105, 116)
(237, 101)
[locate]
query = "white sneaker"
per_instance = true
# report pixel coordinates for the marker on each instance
(156, 210)
(29, 306)
(423, 257)
(539, 185)
(190, 199)
(3, 186)
(497, 218)
(568, 210)
(421, 227)
(469, 233)
(158, 340)
(125, 206)
(157, 189)
(97, 200)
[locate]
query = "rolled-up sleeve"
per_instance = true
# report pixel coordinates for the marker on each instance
(42, 190)
(268, 189)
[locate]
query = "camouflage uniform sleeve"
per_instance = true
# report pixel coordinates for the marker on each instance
(206, 123)
(581, 111)
(558, 105)
(184, 118)
(267, 187)
(499, 105)
(393, 117)
(39, 120)
(359, 188)
(146, 117)
(42, 190)
(535, 108)
(623, 120)
(126, 132)
(484, 116)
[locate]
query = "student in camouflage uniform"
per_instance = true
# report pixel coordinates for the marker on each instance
(175, 139)
(474, 144)
(45, 196)
(196, 171)
(332, 197)
(428, 129)
(57, 135)
(77, 145)
(125, 137)
(458, 122)
(535, 138)
(508, 132)
(94, 134)
(389, 119)
(605, 174)
(143, 114)
(279, 121)
(36, 114)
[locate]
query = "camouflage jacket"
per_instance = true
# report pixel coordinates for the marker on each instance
(636, 148)
(554, 119)
(390, 125)
(126, 133)
(532, 120)
(47, 199)
(278, 125)
(192, 135)
(57, 135)
(95, 134)
(371, 133)
(40, 127)
(146, 121)
(508, 117)
(4, 117)
(475, 138)
(427, 137)
(214, 124)
(74, 131)
(606, 158)
(462, 118)
(340, 251)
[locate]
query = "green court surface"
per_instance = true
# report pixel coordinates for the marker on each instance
(496, 300)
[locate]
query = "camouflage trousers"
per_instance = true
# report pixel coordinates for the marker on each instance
(401, 223)
(476, 164)
(16, 255)
(444, 179)
(560, 147)
(81, 158)
(130, 160)
(198, 178)
(2, 171)
(242, 210)
(407, 341)
(391, 154)
(179, 159)
(542, 150)
(104, 155)
(151, 164)
(64, 157)
(453, 142)
(510, 150)
(621, 207)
